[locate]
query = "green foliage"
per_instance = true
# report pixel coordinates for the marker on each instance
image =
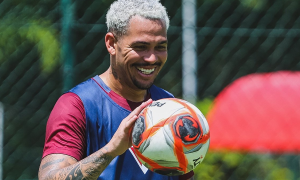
(205, 105)
(38, 32)
(47, 43)
(253, 4)
(237, 165)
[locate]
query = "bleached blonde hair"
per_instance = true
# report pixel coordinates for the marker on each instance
(121, 11)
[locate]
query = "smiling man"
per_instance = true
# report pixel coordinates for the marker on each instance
(136, 57)
(88, 131)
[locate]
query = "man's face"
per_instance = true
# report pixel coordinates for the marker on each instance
(141, 53)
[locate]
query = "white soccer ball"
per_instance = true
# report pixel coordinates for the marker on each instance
(171, 136)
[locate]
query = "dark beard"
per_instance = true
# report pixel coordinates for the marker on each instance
(140, 85)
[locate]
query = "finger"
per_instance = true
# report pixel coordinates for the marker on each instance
(130, 122)
(142, 106)
(134, 114)
(137, 110)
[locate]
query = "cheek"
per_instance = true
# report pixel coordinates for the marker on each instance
(131, 57)
(166, 56)
(163, 56)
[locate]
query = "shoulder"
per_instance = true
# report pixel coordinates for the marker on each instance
(68, 102)
(90, 90)
(86, 88)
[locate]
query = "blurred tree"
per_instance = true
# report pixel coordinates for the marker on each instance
(29, 21)
(29, 80)
(237, 165)
(40, 34)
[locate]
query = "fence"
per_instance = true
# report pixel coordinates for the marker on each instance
(40, 58)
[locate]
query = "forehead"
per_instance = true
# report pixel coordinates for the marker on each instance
(146, 29)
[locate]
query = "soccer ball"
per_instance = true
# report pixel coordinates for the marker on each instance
(171, 136)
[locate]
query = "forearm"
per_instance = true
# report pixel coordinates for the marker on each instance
(89, 168)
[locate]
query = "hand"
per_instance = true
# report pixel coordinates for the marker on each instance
(121, 140)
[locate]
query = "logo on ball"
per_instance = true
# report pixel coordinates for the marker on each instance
(187, 129)
(139, 128)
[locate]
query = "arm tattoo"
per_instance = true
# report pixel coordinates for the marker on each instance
(75, 173)
(102, 161)
(51, 162)
(87, 169)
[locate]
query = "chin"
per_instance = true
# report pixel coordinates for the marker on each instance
(142, 86)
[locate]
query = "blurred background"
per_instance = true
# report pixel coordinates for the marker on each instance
(47, 47)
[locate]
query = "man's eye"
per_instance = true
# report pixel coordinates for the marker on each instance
(161, 47)
(139, 47)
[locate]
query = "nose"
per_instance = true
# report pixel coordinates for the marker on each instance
(150, 57)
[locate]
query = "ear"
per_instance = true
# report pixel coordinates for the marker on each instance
(110, 41)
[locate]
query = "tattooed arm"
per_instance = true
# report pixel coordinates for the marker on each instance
(64, 167)
(60, 166)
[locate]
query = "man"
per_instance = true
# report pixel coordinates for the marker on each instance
(88, 131)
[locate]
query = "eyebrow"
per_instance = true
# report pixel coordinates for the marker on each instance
(146, 43)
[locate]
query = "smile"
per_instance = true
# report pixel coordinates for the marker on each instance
(146, 71)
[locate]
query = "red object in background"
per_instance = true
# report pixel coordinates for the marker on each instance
(258, 113)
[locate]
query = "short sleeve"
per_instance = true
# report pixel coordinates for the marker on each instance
(65, 130)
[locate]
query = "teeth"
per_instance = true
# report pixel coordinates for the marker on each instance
(146, 71)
